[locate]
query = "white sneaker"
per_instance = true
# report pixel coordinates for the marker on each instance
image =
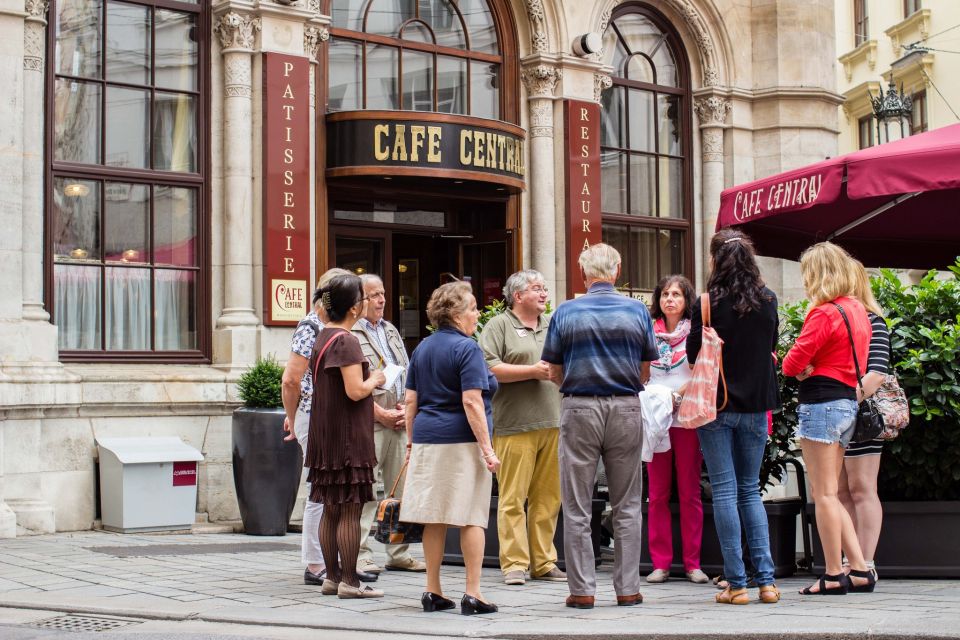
(658, 575)
(368, 566)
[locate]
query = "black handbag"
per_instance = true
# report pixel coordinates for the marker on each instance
(869, 420)
(388, 528)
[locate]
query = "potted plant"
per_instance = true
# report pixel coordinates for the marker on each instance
(266, 469)
(919, 481)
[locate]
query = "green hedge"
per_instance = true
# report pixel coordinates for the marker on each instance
(259, 386)
(924, 319)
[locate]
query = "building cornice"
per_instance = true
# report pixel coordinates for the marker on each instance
(771, 93)
(918, 20)
(867, 51)
(857, 99)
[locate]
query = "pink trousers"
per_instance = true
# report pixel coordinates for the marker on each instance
(685, 454)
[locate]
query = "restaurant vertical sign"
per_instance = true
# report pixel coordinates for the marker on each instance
(286, 188)
(581, 126)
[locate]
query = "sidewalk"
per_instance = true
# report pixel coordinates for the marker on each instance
(225, 578)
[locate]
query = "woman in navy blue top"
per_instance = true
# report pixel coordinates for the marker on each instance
(449, 428)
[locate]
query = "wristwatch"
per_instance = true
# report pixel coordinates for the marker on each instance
(677, 399)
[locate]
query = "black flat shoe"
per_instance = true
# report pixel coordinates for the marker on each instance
(366, 576)
(433, 602)
(841, 590)
(314, 578)
(867, 587)
(470, 606)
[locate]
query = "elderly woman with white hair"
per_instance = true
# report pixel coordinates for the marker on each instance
(526, 419)
(598, 346)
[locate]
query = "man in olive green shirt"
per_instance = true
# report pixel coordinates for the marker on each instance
(526, 420)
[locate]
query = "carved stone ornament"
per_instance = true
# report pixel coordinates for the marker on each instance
(236, 75)
(540, 80)
(538, 25)
(601, 82)
(712, 111)
(236, 31)
(36, 8)
(313, 37)
(314, 6)
(712, 145)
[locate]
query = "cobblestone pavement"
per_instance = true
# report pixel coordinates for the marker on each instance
(238, 579)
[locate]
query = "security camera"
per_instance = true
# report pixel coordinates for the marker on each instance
(587, 44)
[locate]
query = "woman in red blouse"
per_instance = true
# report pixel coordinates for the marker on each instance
(822, 360)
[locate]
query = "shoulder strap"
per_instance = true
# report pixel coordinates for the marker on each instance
(705, 316)
(856, 363)
(316, 364)
(396, 482)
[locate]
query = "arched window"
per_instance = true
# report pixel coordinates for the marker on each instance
(646, 148)
(415, 55)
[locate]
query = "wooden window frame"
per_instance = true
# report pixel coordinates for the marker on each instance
(910, 7)
(151, 178)
(919, 103)
(867, 123)
(505, 57)
(861, 22)
(684, 91)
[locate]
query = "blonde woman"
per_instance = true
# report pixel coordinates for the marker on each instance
(822, 360)
(861, 461)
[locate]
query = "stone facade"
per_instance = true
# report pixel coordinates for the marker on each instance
(764, 87)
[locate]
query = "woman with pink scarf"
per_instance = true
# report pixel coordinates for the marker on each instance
(672, 302)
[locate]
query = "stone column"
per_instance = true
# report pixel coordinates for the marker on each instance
(712, 114)
(236, 33)
(33, 56)
(11, 209)
(541, 81)
(314, 35)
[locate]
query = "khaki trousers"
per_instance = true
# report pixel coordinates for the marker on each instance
(391, 446)
(529, 475)
(591, 428)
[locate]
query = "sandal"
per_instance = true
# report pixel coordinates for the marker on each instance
(733, 596)
(841, 590)
(866, 587)
(769, 594)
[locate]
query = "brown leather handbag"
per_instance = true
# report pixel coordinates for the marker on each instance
(389, 529)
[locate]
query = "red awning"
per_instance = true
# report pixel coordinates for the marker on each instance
(893, 205)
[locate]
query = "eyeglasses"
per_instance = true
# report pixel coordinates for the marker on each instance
(538, 290)
(374, 295)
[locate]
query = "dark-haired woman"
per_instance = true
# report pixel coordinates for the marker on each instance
(340, 449)
(673, 299)
(744, 313)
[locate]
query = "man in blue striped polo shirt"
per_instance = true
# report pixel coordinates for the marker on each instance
(597, 346)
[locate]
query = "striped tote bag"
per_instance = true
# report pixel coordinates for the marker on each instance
(699, 405)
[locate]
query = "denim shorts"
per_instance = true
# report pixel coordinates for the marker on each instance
(827, 422)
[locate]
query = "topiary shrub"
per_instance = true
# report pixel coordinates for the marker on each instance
(923, 463)
(259, 386)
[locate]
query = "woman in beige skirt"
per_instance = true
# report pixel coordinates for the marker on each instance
(449, 427)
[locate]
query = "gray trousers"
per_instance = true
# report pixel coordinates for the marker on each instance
(591, 428)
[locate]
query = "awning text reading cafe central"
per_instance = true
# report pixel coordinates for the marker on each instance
(790, 192)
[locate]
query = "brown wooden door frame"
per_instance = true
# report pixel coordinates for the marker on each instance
(385, 236)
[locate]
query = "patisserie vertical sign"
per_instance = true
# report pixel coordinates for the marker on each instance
(286, 188)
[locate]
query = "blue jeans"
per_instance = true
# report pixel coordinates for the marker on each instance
(733, 447)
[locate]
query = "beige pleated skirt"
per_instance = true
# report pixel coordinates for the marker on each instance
(446, 484)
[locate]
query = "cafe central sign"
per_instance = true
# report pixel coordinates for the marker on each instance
(286, 188)
(384, 143)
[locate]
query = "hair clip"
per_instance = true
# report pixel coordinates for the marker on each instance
(325, 301)
(733, 239)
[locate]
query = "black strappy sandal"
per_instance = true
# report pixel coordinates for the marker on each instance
(867, 587)
(841, 590)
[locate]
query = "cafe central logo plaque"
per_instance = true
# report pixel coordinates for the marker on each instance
(286, 188)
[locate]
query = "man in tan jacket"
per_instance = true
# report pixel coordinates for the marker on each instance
(382, 345)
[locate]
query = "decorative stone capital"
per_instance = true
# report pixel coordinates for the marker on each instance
(601, 82)
(36, 9)
(538, 25)
(712, 144)
(314, 6)
(313, 38)
(712, 111)
(541, 80)
(237, 31)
